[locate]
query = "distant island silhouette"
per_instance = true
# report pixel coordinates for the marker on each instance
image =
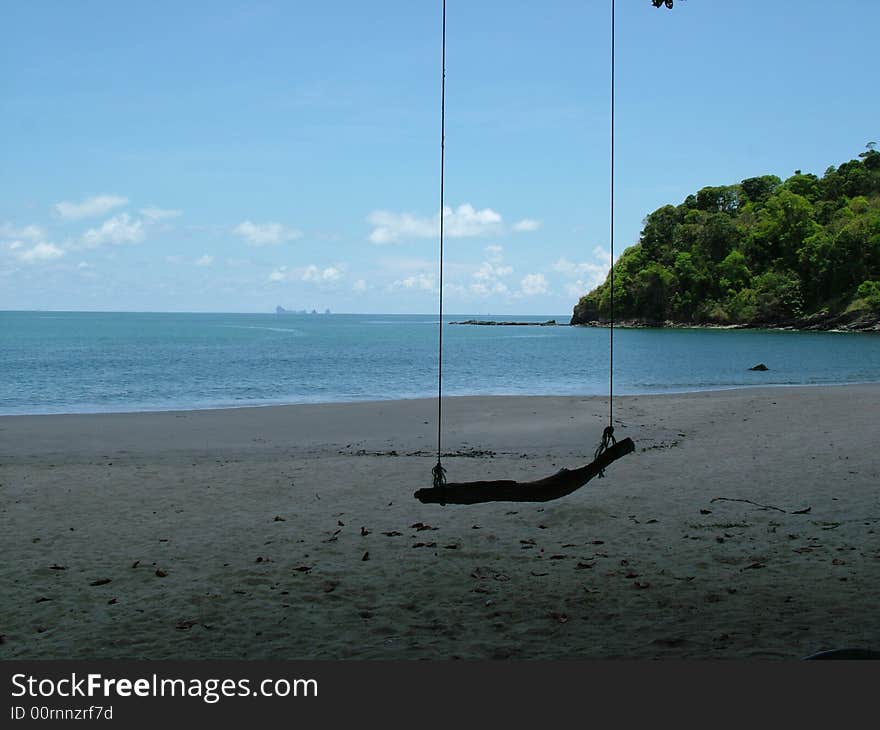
(281, 310)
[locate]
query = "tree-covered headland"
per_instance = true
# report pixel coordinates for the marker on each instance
(803, 252)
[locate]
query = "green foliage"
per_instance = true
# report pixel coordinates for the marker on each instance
(763, 251)
(758, 189)
(719, 236)
(734, 271)
(871, 158)
(869, 293)
(718, 199)
(650, 290)
(807, 186)
(777, 296)
(658, 230)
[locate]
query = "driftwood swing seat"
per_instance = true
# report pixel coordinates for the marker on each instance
(563, 482)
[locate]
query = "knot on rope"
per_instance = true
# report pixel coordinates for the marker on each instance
(607, 441)
(438, 473)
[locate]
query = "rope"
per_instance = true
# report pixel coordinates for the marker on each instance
(438, 473)
(611, 331)
(608, 434)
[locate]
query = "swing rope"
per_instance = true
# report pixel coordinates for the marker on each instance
(438, 473)
(608, 434)
(611, 330)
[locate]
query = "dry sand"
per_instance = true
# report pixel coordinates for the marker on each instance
(291, 532)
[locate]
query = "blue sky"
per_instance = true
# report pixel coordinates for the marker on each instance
(231, 156)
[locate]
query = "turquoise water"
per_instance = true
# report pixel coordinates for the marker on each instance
(76, 362)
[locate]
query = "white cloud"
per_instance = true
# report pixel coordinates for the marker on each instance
(265, 234)
(205, 260)
(494, 253)
(487, 277)
(311, 273)
(390, 227)
(118, 230)
(359, 286)
(489, 271)
(319, 276)
(570, 268)
(578, 288)
(418, 282)
(28, 233)
(484, 289)
(29, 244)
(86, 270)
(156, 215)
(534, 284)
(90, 207)
(280, 274)
(461, 222)
(526, 224)
(564, 266)
(465, 221)
(589, 273)
(603, 254)
(39, 252)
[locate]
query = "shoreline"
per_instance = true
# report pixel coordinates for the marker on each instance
(870, 325)
(744, 527)
(433, 399)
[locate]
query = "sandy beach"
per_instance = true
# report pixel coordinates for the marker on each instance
(744, 526)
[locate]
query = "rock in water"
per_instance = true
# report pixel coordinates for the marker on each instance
(759, 366)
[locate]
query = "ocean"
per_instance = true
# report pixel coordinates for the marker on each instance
(86, 362)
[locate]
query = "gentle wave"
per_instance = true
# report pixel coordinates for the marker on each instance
(268, 329)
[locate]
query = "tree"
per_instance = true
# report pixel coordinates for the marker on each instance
(659, 229)
(692, 282)
(785, 222)
(723, 199)
(734, 271)
(816, 265)
(777, 296)
(758, 189)
(718, 238)
(871, 159)
(650, 289)
(807, 186)
(869, 293)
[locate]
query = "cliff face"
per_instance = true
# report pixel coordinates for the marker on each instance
(802, 253)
